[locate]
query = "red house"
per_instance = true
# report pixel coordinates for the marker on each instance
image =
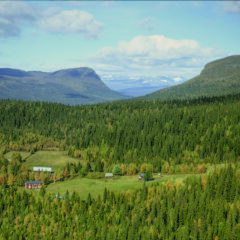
(33, 184)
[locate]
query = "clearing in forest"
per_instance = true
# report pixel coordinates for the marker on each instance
(53, 159)
(84, 186)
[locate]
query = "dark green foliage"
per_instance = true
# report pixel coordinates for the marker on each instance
(201, 131)
(148, 176)
(117, 170)
(88, 167)
(141, 136)
(99, 167)
(42, 191)
(199, 208)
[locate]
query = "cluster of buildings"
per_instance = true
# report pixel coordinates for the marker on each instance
(38, 184)
(140, 178)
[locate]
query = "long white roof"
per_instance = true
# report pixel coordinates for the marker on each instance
(44, 169)
(108, 174)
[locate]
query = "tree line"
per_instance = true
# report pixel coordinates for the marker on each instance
(175, 136)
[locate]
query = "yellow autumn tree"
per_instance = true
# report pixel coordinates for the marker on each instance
(10, 180)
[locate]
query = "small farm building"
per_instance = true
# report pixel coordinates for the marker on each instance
(141, 177)
(108, 175)
(33, 184)
(57, 196)
(44, 169)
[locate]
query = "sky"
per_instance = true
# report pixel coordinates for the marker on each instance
(120, 40)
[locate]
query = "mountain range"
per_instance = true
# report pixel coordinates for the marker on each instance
(220, 77)
(141, 85)
(84, 86)
(68, 86)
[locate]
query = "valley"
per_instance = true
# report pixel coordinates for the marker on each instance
(119, 120)
(194, 144)
(90, 184)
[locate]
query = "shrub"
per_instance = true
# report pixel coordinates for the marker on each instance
(117, 170)
(148, 176)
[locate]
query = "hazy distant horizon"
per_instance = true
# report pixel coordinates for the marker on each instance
(127, 41)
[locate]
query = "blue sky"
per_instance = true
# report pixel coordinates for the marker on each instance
(119, 40)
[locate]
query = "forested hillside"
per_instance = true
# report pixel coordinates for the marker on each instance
(169, 134)
(200, 208)
(220, 77)
(197, 136)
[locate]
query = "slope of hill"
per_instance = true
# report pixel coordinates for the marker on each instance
(183, 132)
(220, 77)
(69, 86)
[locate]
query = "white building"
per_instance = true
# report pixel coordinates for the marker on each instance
(44, 169)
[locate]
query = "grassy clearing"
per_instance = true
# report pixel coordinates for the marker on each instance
(83, 186)
(53, 159)
(117, 184)
(24, 155)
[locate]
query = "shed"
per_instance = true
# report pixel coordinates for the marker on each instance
(33, 184)
(141, 177)
(108, 175)
(44, 169)
(57, 196)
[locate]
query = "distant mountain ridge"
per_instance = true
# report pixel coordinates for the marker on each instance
(141, 85)
(68, 86)
(220, 77)
(139, 91)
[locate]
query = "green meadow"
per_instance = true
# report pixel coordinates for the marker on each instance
(84, 186)
(24, 154)
(53, 159)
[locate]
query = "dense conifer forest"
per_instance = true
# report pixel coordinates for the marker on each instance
(206, 207)
(165, 134)
(198, 136)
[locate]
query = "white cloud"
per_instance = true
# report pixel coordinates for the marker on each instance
(155, 48)
(165, 81)
(177, 79)
(17, 10)
(157, 55)
(71, 21)
(13, 15)
(231, 6)
(147, 24)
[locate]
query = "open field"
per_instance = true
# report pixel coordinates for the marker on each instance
(117, 184)
(53, 159)
(84, 186)
(24, 154)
